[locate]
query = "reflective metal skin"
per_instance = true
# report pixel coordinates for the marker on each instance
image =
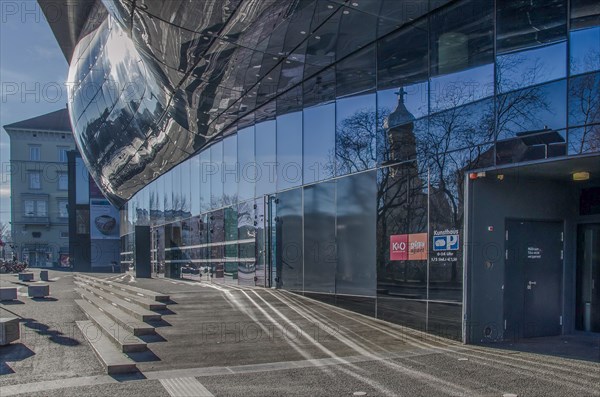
(156, 81)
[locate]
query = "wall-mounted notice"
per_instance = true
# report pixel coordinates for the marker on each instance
(446, 244)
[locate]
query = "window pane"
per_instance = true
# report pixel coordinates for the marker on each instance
(231, 250)
(216, 180)
(266, 157)
(289, 240)
(319, 238)
(584, 13)
(195, 185)
(42, 208)
(246, 248)
(63, 181)
(206, 170)
(534, 66)
(62, 209)
(585, 50)
(248, 172)
(355, 141)
(532, 110)
(34, 180)
(461, 37)
(29, 208)
(230, 171)
(289, 150)
(319, 143)
(584, 140)
(403, 57)
(522, 24)
(34, 153)
(356, 217)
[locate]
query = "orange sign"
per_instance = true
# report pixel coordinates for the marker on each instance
(417, 247)
(411, 247)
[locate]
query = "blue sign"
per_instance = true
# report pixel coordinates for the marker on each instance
(445, 243)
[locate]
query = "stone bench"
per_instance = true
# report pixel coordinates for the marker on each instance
(8, 293)
(44, 275)
(25, 276)
(38, 290)
(9, 330)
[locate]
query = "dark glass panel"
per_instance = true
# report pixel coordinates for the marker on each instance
(461, 37)
(231, 250)
(215, 173)
(357, 73)
(168, 196)
(289, 150)
(445, 319)
(584, 140)
(265, 170)
(355, 140)
(216, 225)
(319, 238)
(247, 168)
(458, 127)
(356, 203)
(230, 170)
(530, 67)
(585, 50)
(584, 100)
(356, 29)
(289, 240)
(247, 243)
(195, 187)
(260, 245)
(525, 23)
(531, 145)
(206, 170)
(584, 13)
(359, 304)
(532, 110)
(403, 57)
(319, 143)
(402, 224)
(319, 89)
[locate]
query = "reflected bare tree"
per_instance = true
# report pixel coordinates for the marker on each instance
(584, 106)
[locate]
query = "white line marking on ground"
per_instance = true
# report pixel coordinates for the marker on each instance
(185, 387)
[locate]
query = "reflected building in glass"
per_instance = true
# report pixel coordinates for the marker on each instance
(368, 154)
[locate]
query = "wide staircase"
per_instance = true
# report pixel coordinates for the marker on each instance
(120, 318)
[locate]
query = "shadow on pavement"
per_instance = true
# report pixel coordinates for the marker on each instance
(13, 352)
(142, 357)
(52, 334)
(577, 347)
(13, 302)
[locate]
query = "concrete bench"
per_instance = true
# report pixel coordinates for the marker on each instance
(25, 276)
(9, 330)
(44, 275)
(38, 290)
(8, 293)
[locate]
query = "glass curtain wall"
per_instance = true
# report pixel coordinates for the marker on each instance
(365, 148)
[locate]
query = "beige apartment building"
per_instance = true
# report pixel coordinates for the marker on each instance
(39, 188)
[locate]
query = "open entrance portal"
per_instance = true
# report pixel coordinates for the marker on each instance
(532, 251)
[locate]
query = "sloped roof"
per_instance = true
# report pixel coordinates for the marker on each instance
(55, 121)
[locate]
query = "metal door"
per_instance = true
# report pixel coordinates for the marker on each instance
(533, 279)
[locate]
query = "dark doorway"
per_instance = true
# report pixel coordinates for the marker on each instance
(533, 279)
(588, 277)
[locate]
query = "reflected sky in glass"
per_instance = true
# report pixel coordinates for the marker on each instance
(585, 50)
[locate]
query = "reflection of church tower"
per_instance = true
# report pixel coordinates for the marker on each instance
(400, 127)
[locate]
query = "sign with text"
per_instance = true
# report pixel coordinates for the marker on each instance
(409, 247)
(446, 244)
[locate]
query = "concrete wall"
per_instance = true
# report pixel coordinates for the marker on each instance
(492, 202)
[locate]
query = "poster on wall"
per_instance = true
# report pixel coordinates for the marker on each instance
(104, 220)
(409, 247)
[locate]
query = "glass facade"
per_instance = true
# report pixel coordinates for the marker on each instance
(330, 160)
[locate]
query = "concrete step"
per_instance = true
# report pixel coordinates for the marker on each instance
(152, 295)
(129, 297)
(113, 361)
(125, 320)
(123, 339)
(130, 308)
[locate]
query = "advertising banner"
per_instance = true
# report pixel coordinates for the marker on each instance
(104, 220)
(446, 244)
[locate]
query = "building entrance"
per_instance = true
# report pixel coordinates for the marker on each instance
(533, 278)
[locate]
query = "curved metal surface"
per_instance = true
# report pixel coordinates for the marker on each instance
(156, 81)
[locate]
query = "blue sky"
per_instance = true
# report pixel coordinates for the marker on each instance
(34, 68)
